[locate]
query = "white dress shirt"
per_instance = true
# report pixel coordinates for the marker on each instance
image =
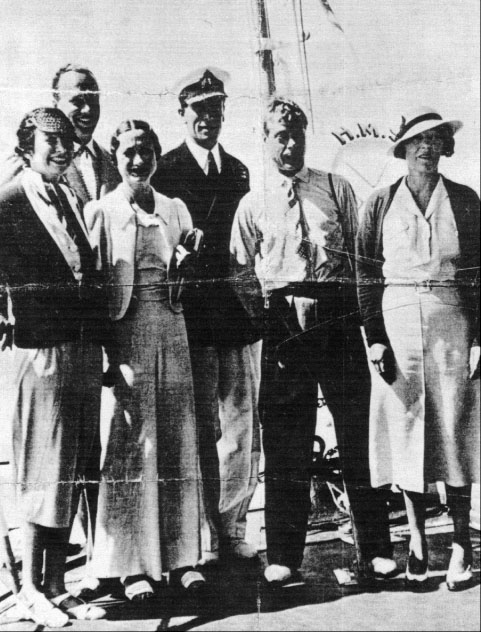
(35, 190)
(266, 234)
(419, 247)
(201, 155)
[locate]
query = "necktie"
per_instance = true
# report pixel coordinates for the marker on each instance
(212, 171)
(89, 173)
(70, 222)
(304, 249)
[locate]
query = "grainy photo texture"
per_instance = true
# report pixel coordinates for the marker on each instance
(239, 315)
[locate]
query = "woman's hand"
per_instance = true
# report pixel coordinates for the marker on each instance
(383, 360)
(474, 362)
(184, 261)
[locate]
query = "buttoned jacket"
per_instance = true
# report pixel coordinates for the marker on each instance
(112, 227)
(370, 259)
(107, 176)
(213, 313)
(49, 305)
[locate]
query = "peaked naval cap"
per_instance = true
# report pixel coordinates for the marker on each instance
(202, 84)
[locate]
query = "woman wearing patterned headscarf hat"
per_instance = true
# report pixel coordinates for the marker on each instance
(418, 272)
(47, 269)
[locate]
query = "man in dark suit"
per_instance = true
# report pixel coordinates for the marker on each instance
(225, 351)
(91, 173)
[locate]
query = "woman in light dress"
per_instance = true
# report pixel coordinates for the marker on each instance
(148, 514)
(418, 272)
(60, 320)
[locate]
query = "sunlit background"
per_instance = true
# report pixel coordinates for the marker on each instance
(389, 56)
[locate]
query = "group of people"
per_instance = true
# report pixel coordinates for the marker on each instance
(204, 308)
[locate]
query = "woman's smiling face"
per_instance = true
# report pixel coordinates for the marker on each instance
(135, 155)
(52, 154)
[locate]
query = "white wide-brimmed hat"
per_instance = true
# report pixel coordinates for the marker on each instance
(420, 120)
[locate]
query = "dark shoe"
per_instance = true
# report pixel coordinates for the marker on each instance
(192, 583)
(137, 588)
(417, 571)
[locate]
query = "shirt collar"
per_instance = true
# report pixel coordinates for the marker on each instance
(276, 177)
(35, 179)
(437, 197)
(161, 210)
(201, 155)
(90, 146)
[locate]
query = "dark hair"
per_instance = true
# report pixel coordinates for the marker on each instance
(72, 68)
(38, 118)
(448, 143)
(127, 126)
(288, 111)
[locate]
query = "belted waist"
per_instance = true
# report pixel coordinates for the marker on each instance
(427, 285)
(313, 289)
(151, 292)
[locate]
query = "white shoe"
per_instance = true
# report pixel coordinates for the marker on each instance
(241, 550)
(86, 587)
(277, 573)
(209, 558)
(459, 575)
(191, 577)
(384, 567)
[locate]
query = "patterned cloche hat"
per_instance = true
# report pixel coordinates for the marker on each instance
(51, 120)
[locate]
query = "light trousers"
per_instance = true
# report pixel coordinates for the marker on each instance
(226, 388)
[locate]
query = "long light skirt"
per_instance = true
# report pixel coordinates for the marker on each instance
(148, 519)
(56, 414)
(425, 426)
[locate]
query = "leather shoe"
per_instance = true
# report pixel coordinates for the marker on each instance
(383, 567)
(417, 570)
(277, 575)
(240, 550)
(457, 579)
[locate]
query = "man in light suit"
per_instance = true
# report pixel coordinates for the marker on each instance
(91, 173)
(225, 351)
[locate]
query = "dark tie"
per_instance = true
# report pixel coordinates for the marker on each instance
(304, 249)
(212, 171)
(68, 218)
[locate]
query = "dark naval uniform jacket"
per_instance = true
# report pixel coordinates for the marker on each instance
(214, 315)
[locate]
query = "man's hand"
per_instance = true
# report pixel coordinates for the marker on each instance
(11, 167)
(383, 360)
(6, 334)
(474, 362)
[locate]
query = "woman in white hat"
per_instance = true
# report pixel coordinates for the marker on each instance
(418, 268)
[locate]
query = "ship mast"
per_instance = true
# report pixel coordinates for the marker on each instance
(268, 82)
